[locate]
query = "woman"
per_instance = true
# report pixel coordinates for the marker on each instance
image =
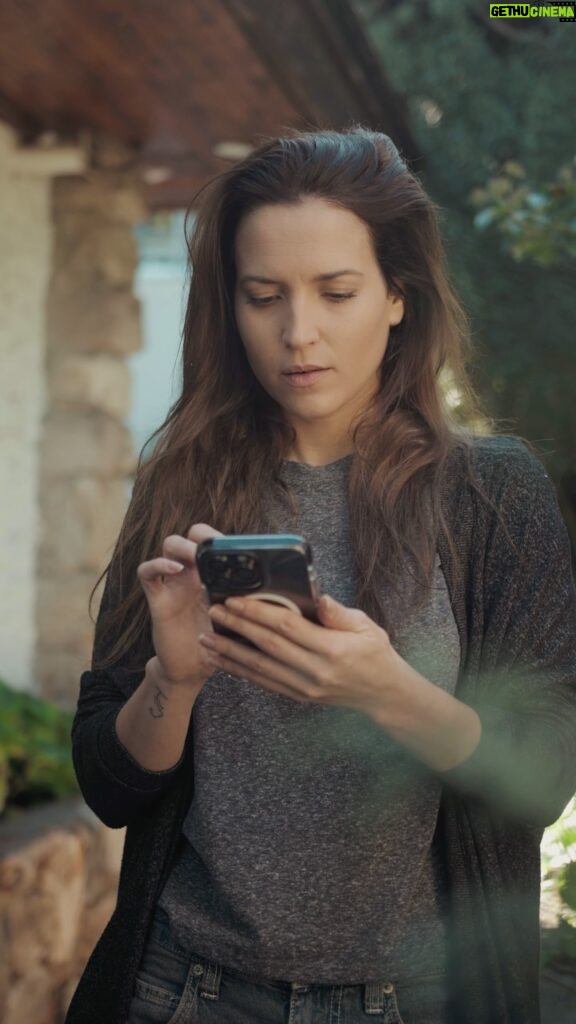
(344, 823)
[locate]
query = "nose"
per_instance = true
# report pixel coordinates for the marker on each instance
(299, 328)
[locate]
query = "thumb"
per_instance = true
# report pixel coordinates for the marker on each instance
(202, 531)
(337, 615)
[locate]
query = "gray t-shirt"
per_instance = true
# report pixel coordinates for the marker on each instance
(306, 851)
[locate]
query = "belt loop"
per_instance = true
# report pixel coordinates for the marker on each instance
(374, 997)
(210, 984)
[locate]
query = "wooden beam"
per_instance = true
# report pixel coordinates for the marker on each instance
(318, 52)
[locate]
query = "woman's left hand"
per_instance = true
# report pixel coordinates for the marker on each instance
(347, 661)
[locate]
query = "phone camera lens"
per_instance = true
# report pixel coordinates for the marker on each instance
(246, 572)
(245, 577)
(229, 573)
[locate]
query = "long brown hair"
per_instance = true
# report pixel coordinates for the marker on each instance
(220, 448)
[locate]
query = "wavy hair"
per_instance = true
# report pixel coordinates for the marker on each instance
(220, 449)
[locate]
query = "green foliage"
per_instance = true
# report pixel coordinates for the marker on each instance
(481, 96)
(536, 225)
(35, 750)
(559, 876)
(568, 885)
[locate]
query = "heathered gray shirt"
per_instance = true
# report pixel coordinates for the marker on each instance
(514, 600)
(306, 851)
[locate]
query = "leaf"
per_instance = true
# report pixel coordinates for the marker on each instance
(514, 169)
(484, 218)
(35, 750)
(567, 884)
(536, 201)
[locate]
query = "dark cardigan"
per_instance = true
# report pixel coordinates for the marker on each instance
(516, 616)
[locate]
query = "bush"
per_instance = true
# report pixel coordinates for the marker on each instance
(559, 878)
(559, 857)
(35, 750)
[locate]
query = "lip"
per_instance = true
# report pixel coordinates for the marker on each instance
(307, 379)
(297, 368)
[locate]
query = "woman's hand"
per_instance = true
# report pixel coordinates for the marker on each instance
(178, 607)
(347, 661)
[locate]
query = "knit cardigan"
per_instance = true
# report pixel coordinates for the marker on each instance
(515, 609)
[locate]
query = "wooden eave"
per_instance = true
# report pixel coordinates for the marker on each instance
(174, 81)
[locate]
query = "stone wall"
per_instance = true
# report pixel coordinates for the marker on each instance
(58, 880)
(69, 320)
(25, 253)
(87, 456)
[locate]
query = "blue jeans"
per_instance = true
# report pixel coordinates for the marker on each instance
(174, 986)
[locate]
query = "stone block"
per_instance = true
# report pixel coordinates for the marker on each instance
(58, 672)
(42, 917)
(115, 198)
(62, 612)
(31, 998)
(101, 382)
(61, 881)
(62, 534)
(47, 928)
(101, 505)
(90, 252)
(85, 444)
(100, 320)
(16, 875)
(81, 519)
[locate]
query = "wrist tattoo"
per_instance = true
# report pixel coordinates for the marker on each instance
(158, 710)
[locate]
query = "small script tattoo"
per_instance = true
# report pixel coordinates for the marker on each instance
(158, 710)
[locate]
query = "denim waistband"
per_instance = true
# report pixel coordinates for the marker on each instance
(161, 932)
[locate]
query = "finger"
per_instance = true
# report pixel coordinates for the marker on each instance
(277, 648)
(274, 658)
(152, 571)
(176, 547)
(202, 531)
(281, 622)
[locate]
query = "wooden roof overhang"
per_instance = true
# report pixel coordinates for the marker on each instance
(191, 84)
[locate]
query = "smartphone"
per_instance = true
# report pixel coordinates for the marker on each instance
(275, 567)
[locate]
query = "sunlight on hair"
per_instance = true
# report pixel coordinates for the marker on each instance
(452, 393)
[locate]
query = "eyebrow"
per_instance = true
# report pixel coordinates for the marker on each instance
(320, 277)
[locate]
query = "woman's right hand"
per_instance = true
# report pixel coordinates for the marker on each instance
(178, 608)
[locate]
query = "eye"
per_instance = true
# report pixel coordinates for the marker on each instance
(268, 299)
(253, 301)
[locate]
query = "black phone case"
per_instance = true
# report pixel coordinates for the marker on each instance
(266, 567)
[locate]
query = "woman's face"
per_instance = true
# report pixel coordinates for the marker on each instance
(309, 291)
